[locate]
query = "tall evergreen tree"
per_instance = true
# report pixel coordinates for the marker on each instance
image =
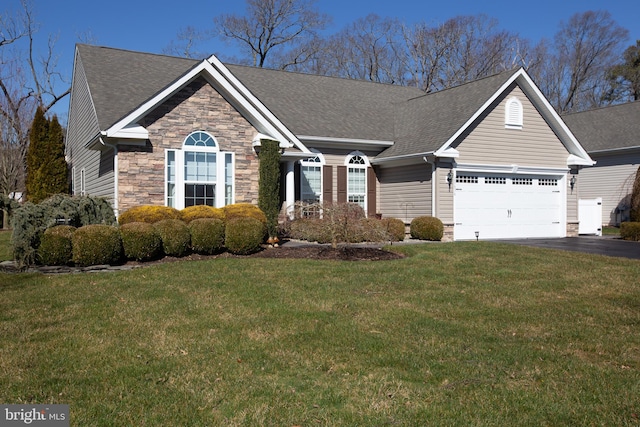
(47, 171)
(269, 185)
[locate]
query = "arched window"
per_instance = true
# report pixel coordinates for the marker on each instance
(357, 164)
(199, 174)
(311, 178)
(513, 114)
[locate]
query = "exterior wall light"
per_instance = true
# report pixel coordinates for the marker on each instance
(572, 182)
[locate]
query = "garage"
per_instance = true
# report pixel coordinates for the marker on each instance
(497, 206)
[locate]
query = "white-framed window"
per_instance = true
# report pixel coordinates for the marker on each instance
(311, 178)
(199, 173)
(357, 164)
(513, 113)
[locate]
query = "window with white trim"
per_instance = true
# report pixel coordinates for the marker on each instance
(199, 174)
(311, 179)
(357, 164)
(513, 114)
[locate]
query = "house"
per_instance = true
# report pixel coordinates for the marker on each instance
(490, 158)
(611, 136)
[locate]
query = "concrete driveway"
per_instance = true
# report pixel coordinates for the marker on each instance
(589, 244)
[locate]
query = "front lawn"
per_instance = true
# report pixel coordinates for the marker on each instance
(460, 334)
(6, 253)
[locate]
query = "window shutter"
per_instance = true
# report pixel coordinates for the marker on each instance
(342, 184)
(327, 184)
(296, 178)
(371, 192)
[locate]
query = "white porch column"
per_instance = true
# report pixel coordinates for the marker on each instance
(290, 189)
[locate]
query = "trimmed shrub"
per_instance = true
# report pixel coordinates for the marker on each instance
(395, 229)
(149, 214)
(201, 211)
(243, 236)
(630, 231)
(207, 235)
(269, 184)
(371, 230)
(310, 229)
(140, 241)
(175, 236)
(55, 246)
(97, 244)
(244, 210)
(427, 228)
(31, 220)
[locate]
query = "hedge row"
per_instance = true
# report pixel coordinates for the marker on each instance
(152, 214)
(99, 244)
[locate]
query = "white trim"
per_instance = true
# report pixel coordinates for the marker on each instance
(330, 141)
(510, 169)
(131, 131)
(513, 113)
(221, 78)
(354, 154)
(566, 137)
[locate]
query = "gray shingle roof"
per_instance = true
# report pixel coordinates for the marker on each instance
(424, 124)
(607, 128)
(120, 80)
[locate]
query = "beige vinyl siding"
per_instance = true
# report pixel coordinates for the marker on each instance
(573, 197)
(444, 194)
(98, 165)
(534, 145)
(405, 192)
(612, 179)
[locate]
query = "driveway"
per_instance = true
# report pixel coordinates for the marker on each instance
(590, 244)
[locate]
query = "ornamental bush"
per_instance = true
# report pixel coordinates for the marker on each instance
(309, 229)
(630, 231)
(175, 236)
(31, 220)
(426, 228)
(201, 211)
(149, 214)
(244, 210)
(96, 244)
(140, 241)
(395, 229)
(244, 235)
(55, 246)
(207, 235)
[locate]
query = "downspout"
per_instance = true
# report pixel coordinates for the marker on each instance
(115, 173)
(432, 162)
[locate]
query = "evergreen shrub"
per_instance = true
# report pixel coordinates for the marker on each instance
(97, 244)
(426, 228)
(201, 211)
(244, 210)
(207, 235)
(140, 241)
(630, 231)
(149, 214)
(175, 236)
(244, 235)
(56, 245)
(395, 229)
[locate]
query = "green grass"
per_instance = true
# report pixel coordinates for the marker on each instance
(460, 334)
(611, 231)
(6, 253)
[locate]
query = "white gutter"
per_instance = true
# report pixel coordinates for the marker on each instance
(355, 141)
(115, 172)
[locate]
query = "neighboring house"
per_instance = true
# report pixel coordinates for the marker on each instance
(611, 136)
(490, 158)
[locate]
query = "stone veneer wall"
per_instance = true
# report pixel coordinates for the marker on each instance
(572, 229)
(141, 171)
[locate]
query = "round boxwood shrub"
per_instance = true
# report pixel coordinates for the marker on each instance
(630, 231)
(140, 241)
(55, 245)
(243, 236)
(244, 210)
(201, 211)
(96, 244)
(149, 214)
(175, 236)
(207, 235)
(395, 229)
(426, 228)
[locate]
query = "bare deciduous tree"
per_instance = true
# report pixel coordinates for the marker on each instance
(270, 26)
(624, 77)
(26, 82)
(185, 45)
(574, 76)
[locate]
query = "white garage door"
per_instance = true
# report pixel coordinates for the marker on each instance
(507, 206)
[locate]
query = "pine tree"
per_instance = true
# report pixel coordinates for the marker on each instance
(47, 171)
(269, 185)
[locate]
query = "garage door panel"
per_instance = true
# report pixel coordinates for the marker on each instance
(507, 206)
